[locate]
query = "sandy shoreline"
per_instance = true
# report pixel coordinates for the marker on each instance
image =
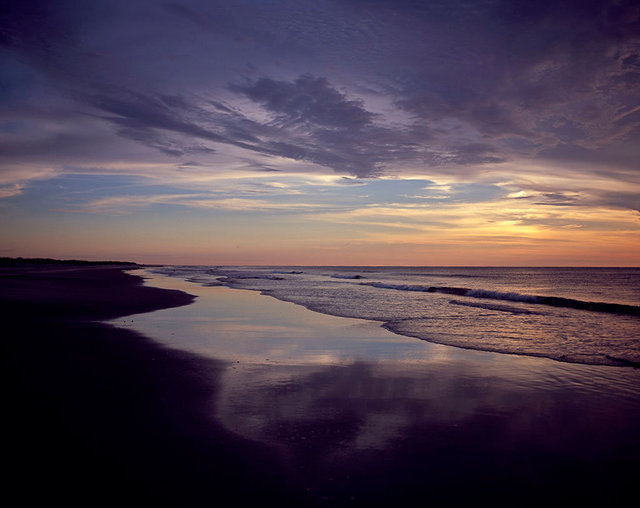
(98, 414)
(95, 414)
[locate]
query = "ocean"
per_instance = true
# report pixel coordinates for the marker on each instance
(576, 315)
(367, 416)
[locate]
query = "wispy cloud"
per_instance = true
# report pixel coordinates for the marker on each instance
(296, 105)
(495, 87)
(124, 205)
(10, 190)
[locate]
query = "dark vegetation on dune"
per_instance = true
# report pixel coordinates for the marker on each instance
(20, 261)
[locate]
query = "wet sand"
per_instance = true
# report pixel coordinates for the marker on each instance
(271, 403)
(370, 418)
(96, 415)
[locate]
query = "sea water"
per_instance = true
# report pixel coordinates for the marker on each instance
(578, 315)
(352, 406)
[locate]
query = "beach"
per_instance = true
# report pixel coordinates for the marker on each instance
(96, 415)
(320, 253)
(236, 395)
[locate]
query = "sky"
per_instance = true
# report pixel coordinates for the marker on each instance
(318, 132)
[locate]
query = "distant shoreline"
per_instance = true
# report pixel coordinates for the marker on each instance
(20, 261)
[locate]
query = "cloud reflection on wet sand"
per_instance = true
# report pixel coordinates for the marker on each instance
(356, 420)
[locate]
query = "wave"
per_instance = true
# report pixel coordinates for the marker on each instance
(347, 277)
(442, 275)
(495, 306)
(553, 301)
(497, 295)
(232, 278)
(423, 289)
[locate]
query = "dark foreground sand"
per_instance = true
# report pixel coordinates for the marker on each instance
(95, 415)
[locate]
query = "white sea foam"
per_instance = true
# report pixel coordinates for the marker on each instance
(494, 306)
(497, 295)
(400, 287)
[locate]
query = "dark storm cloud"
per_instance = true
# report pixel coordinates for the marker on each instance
(472, 82)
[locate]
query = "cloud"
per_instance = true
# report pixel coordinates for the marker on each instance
(124, 205)
(7, 191)
(550, 73)
(307, 100)
(456, 89)
(325, 127)
(144, 118)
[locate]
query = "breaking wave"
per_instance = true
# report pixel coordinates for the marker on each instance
(553, 301)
